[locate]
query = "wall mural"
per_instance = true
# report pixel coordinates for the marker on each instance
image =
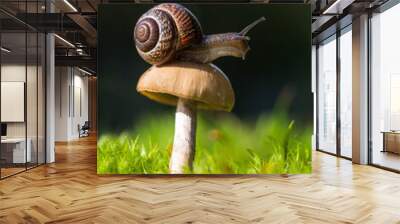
(179, 121)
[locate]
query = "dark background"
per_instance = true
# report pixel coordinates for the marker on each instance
(279, 62)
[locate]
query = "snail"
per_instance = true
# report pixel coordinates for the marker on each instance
(169, 31)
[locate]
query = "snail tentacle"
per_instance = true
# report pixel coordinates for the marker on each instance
(215, 46)
(251, 26)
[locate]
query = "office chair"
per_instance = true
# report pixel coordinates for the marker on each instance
(84, 130)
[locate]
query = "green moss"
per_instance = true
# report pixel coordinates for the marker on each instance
(225, 145)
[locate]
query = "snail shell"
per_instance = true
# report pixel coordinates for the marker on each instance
(164, 30)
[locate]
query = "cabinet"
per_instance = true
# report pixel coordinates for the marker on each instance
(391, 142)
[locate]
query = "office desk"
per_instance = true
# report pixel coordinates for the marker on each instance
(391, 142)
(13, 150)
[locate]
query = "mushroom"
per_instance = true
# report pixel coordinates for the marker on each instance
(188, 86)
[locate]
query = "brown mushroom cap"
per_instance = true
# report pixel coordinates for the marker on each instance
(205, 84)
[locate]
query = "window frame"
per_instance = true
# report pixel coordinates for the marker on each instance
(381, 9)
(337, 35)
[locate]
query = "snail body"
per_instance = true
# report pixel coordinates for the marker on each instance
(169, 31)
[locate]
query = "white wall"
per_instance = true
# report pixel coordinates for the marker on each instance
(62, 82)
(12, 73)
(13, 101)
(16, 73)
(71, 87)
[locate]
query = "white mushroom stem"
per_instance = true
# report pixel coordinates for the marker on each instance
(185, 137)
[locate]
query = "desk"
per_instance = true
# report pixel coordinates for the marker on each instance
(13, 150)
(391, 141)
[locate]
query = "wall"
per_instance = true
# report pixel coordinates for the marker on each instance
(71, 102)
(61, 103)
(16, 73)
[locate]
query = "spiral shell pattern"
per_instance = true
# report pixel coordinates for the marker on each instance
(164, 30)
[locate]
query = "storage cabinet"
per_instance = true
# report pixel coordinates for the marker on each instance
(391, 142)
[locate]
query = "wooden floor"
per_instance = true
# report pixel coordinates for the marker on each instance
(387, 159)
(8, 171)
(5, 172)
(69, 191)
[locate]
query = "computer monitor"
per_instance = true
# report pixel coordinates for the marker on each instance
(3, 129)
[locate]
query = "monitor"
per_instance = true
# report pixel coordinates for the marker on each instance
(3, 129)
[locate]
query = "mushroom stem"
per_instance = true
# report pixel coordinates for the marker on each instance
(185, 137)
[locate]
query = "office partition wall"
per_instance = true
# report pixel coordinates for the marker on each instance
(385, 89)
(14, 153)
(22, 98)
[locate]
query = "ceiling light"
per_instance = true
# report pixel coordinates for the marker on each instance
(70, 5)
(80, 51)
(5, 50)
(338, 6)
(65, 41)
(84, 71)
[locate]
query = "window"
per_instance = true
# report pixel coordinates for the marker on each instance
(327, 95)
(346, 92)
(385, 89)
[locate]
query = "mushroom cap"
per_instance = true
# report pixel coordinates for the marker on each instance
(205, 84)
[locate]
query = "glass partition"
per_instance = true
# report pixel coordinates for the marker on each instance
(22, 89)
(14, 153)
